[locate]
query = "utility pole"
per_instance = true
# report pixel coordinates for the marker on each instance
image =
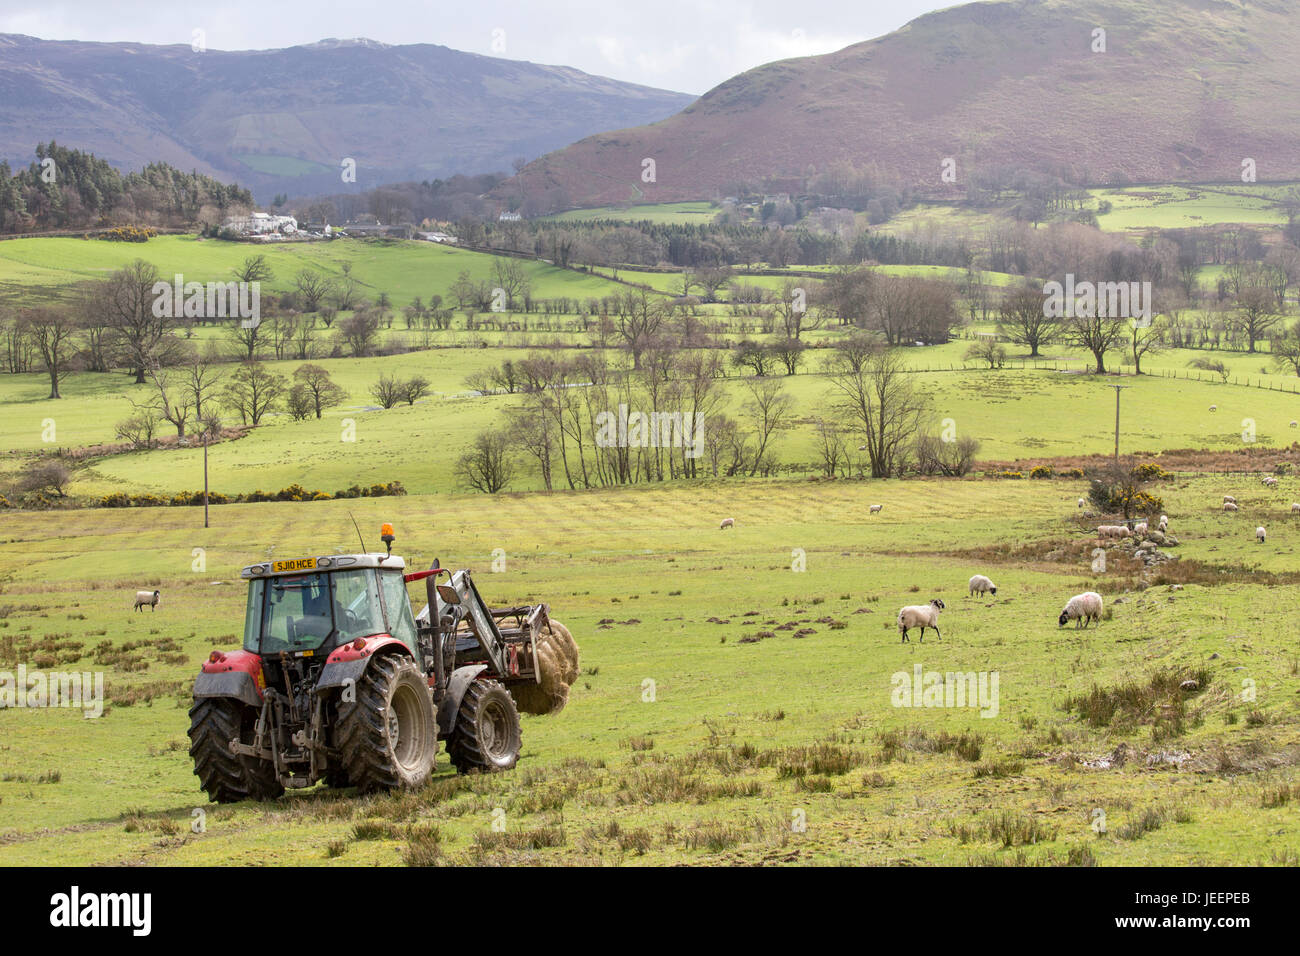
(205, 477)
(1117, 389)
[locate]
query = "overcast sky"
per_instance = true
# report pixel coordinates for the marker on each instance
(684, 45)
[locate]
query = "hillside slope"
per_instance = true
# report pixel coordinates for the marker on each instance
(1185, 91)
(283, 120)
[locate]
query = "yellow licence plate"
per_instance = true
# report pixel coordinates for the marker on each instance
(299, 564)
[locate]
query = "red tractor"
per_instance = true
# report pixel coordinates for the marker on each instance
(339, 681)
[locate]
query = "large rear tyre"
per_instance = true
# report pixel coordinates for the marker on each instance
(487, 737)
(224, 776)
(389, 735)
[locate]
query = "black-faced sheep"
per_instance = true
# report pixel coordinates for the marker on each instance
(146, 597)
(1260, 534)
(727, 523)
(1082, 609)
(979, 584)
(922, 616)
(875, 509)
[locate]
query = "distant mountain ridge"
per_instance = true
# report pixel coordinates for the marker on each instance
(1185, 90)
(285, 120)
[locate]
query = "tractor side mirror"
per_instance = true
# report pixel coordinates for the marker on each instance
(448, 594)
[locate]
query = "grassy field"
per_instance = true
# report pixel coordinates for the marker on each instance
(682, 213)
(402, 269)
(736, 702)
(769, 733)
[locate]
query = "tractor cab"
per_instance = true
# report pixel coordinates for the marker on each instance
(307, 607)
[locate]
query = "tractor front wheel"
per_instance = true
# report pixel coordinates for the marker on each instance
(389, 735)
(487, 736)
(228, 777)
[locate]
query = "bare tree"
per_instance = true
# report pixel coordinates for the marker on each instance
(313, 287)
(359, 331)
(638, 319)
(877, 394)
(253, 391)
(320, 390)
(1147, 340)
(174, 402)
(768, 407)
(53, 331)
(128, 298)
(487, 466)
(387, 391)
(1022, 320)
(414, 389)
(254, 269)
(1257, 314)
(1095, 332)
(986, 348)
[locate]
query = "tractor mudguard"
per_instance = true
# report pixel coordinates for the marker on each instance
(344, 667)
(232, 683)
(461, 678)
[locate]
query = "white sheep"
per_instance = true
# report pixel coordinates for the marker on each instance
(146, 597)
(1295, 507)
(1229, 506)
(1124, 532)
(1082, 609)
(979, 584)
(1295, 424)
(922, 616)
(1214, 408)
(1269, 482)
(727, 523)
(1164, 523)
(1229, 500)
(1080, 502)
(875, 509)
(1107, 531)
(1140, 528)
(1260, 534)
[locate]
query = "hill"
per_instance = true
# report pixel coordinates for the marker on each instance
(1183, 92)
(284, 120)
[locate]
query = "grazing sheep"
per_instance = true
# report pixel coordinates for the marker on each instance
(146, 597)
(1260, 534)
(1229, 500)
(1082, 609)
(1229, 506)
(1080, 502)
(1269, 482)
(922, 616)
(1163, 524)
(1108, 531)
(1125, 532)
(727, 523)
(1140, 528)
(875, 509)
(1214, 408)
(979, 584)
(1295, 507)
(1295, 424)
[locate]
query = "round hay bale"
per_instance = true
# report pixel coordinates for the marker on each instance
(550, 694)
(558, 636)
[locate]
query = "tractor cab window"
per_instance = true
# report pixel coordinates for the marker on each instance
(297, 613)
(401, 624)
(357, 611)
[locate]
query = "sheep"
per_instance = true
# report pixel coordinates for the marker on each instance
(1295, 507)
(1260, 534)
(1229, 500)
(1108, 531)
(1269, 482)
(146, 597)
(922, 616)
(979, 584)
(1229, 506)
(1082, 609)
(1295, 424)
(1214, 408)
(1124, 532)
(1080, 502)
(727, 523)
(875, 509)
(1140, 528)
(1163, 524)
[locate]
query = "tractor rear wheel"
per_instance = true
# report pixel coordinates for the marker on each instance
(487, 737)
(389, 735)
(228, 777)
